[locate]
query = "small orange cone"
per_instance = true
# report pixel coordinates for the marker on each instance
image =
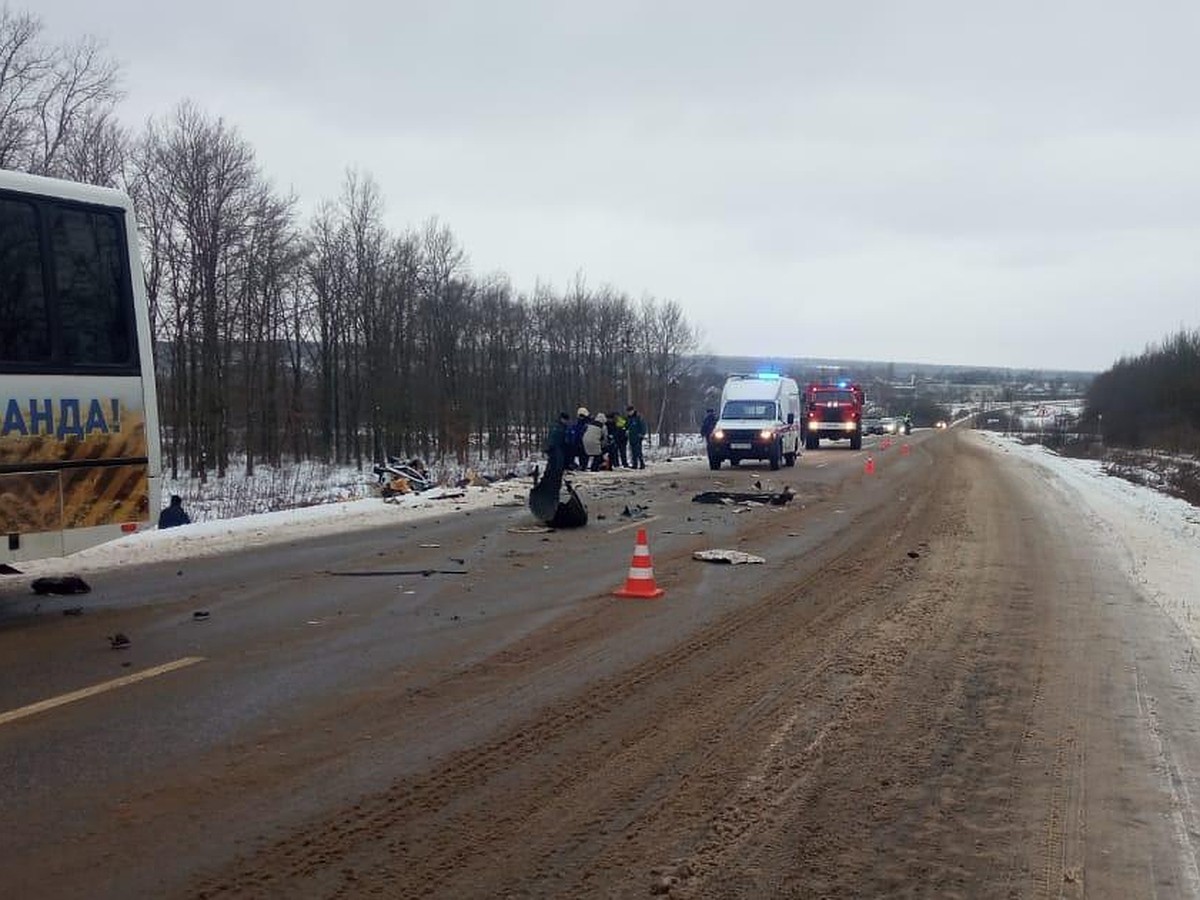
(885, 443)
(640, 583)
(870, 466)
(904, 450)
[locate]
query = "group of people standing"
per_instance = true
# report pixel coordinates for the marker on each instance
(603, 441)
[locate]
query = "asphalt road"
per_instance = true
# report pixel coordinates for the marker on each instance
(937, 685)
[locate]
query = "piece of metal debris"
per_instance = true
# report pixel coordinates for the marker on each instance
(729, 557)
(61, 584)
(769, 498)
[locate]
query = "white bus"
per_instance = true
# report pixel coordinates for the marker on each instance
(80, 461)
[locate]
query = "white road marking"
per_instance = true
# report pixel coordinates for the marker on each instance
(637, 523)
(83, 693)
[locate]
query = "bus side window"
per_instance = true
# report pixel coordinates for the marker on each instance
(95, 312)
(25, 335)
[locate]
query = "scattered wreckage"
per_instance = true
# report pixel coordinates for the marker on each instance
(728, 557)
(398, 477)
(547, 505)
(765, 498)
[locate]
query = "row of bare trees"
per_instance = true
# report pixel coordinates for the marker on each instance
(334, 338)
(1151, 400)
(342, 340)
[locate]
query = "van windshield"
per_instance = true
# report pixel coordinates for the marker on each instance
(750, 409)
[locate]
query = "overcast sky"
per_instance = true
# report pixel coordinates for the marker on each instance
(998, 184)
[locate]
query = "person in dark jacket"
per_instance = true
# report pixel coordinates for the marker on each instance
(174, 514)
(709, 423)
(557, 443)
(636, 429)
(576, 456)
(620, 439)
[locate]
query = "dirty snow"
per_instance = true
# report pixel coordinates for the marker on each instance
(1156, 537)
(217, 536)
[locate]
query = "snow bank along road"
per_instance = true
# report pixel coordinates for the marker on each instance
(941, 683)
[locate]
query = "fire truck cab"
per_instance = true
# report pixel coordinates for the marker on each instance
(833, 411)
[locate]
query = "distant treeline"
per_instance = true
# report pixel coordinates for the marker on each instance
(1151, 401)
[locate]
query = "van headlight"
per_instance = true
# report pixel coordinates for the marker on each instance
(719, 434)
(766, 434)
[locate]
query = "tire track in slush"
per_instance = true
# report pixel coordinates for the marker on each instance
(1182, 813)
(357, 829)
(709, 766)
(890, 650)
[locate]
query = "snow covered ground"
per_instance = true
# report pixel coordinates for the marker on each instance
(213, 536)
(1156, 537)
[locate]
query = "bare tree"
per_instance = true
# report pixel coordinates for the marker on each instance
(56, 103)
(24, 68)
(669, 346)
(204, 197)
(95, 151)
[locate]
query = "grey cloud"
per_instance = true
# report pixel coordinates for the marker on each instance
(924, 168)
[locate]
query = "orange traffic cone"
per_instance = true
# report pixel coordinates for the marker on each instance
(640, 583)
(869, 468)
(904, 450)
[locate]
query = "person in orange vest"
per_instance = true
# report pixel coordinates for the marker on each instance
(620, 440)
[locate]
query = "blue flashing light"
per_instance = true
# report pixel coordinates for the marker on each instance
(843, 384)
(773, 375)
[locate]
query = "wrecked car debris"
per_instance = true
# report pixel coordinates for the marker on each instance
(544, 500)
(767, 498)
(386, 572)
(62, 584)
(728, 557)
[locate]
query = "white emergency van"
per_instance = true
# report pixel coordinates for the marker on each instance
(760, 418)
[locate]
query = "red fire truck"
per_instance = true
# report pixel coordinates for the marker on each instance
(833, 411)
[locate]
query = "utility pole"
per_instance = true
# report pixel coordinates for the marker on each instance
(628, 369)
